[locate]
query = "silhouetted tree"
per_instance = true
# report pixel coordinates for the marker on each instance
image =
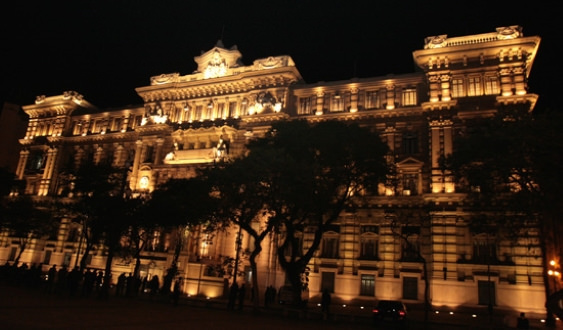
(513, 162)
(179, 205)
(314, 171)
(26, 219)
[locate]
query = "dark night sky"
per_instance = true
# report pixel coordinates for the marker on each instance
(105, 49)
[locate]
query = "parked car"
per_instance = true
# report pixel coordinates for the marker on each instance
(390, 310)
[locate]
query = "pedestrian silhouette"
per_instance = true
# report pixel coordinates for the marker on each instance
(177, 291)
(121, 282)
(241, 296)
(52, 279)
(154, 284)
(325, 303)
(523, 322)
(233, 293)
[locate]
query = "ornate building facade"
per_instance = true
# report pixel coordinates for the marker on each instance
(187, 121)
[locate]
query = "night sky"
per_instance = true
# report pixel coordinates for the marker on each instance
(105, 49)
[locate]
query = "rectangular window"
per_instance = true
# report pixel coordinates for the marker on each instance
(457, 88)
(408, 97)
(221, 111)
(369, 248)
(76, 127)
(330, 247)
(372, 100)
(232, 110)
(299, 247)
(367, 285)
(66, 259)
(209, 112)
(305, 106)
(491, 86)
(369, 229)
(410, 288)
(73, 234)
(116, 124)
(47, 257)
(199, 113)
(484, 252)
(474, 86)
(410, 184)
(137, 122)
(337, 103)
(95, 128)
(410, 143)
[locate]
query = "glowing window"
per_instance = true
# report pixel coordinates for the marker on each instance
(457, 88)
(474, 86)
(144, 182)
(491, 86)
(409, 97)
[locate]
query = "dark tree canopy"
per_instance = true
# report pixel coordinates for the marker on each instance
(313, 171)
(511, 166)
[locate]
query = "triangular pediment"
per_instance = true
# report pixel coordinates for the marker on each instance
(410, 163)
(217, 61)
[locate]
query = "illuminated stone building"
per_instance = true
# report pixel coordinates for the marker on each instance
(192, 120)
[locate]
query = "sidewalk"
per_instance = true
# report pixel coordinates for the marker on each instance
(22, 308)
(459, 318)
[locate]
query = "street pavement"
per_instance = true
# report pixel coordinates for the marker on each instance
(23, 308)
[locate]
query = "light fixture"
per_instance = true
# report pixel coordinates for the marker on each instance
(186, 106)
(210, 105)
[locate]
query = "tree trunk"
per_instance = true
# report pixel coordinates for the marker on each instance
(87, 250)
(104, 293)
(426, 291)
(23, 245)
(254, 267)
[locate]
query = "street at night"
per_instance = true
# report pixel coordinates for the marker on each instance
(22, 308)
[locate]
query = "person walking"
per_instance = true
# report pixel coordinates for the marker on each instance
(241, 296)
(523, 322)
(177, 291)
(154, 284)
(233, 293)
(52, 279)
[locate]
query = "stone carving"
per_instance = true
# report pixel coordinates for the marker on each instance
(217, 67)
(269, 63)
(436, 41)
(509, 32)
(164, 78)
(40, 99)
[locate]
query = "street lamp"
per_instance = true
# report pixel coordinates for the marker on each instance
(555, 273)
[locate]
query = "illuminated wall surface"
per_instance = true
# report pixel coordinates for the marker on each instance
(185, 121)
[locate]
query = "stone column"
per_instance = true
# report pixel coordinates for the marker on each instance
(136, 162)
(320, 103)
(48, 172)
(440, 145)
(158, 151)
(506, 82)
(445, 86)
(390, 97)
(519, 80)
(435, 86)
(354, 100)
